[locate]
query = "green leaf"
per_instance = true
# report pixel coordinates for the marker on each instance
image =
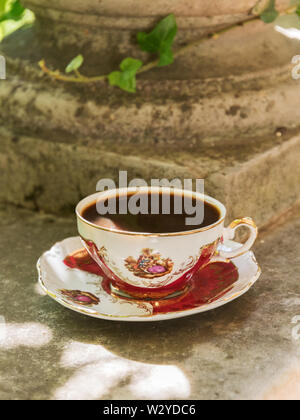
(296, 3)
(270, 13)
(126, 78)
(160, 40)
(2, 6)
(15, 12)
(75, 64)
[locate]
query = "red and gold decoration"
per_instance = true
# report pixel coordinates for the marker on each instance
(149, 265)
(206, 285)
(82, 298)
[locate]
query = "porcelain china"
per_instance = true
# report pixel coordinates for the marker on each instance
(157, 265)
(84, 290)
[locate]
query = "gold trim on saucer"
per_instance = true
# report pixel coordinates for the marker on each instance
(148, 316)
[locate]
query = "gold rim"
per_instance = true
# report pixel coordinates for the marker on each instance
(121, 232)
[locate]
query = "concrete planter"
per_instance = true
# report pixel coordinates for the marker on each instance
(146, 8)
(111, 25)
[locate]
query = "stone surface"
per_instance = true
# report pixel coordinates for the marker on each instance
(248, 349)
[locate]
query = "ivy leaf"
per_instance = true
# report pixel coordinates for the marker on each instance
(160, 40)
(296, 3)
(75, 64)
(2, 5)
(126, 78)
(16, 12)
(270, 13)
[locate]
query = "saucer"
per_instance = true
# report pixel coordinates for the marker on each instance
(69, 276)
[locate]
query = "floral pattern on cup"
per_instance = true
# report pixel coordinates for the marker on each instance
(149, 265)
(82, 298)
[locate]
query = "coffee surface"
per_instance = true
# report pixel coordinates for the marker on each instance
(152, 223)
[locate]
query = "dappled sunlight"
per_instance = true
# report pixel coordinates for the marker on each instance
(286, 385)
(99, 371)
(160, 382)
(79, 354)
(94, 380)
(2, 328)
(39, 290)
(29, 334)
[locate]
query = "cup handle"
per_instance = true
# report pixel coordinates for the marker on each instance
(229, 233)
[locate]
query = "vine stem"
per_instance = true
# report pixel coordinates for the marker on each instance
(79, 78)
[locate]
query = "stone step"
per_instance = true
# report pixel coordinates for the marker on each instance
(260, 180)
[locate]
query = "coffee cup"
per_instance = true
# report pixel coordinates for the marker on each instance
(157, 265)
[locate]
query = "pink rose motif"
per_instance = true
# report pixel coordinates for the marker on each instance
(156, 269)
(82, 298)
(85, 299)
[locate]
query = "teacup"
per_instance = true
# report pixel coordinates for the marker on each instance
(172, 258)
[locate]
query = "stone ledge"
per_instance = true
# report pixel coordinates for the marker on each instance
(170, 121)
(263, 186)
(53, 177)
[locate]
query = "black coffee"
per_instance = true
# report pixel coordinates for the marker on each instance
(177, 208)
